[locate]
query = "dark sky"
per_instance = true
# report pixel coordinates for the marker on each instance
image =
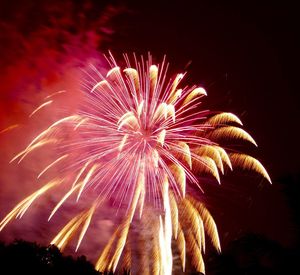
(244, 54)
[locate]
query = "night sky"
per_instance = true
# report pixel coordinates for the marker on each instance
(244, 54)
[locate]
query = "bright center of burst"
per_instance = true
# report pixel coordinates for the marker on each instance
(146, 137)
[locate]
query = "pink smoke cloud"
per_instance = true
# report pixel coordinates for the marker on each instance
(45, 45)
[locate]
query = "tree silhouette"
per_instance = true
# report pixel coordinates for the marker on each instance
(21, 257)
(249, 255)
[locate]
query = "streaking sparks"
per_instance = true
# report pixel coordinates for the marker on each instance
(140, 140)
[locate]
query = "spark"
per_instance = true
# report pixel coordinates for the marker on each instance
(20, 209)
(232, 132)
(51, 165)
(9, 128)
(40, 107)
(248, 162)
(224, 118)
(196, 92)
(56, 93)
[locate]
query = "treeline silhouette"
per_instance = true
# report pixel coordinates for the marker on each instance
(249, 255)
(22, 257)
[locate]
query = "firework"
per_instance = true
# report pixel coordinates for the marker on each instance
(139, 139)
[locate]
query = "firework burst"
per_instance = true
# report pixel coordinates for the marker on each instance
(139, 138)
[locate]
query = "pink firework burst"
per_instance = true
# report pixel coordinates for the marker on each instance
(138, 139)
